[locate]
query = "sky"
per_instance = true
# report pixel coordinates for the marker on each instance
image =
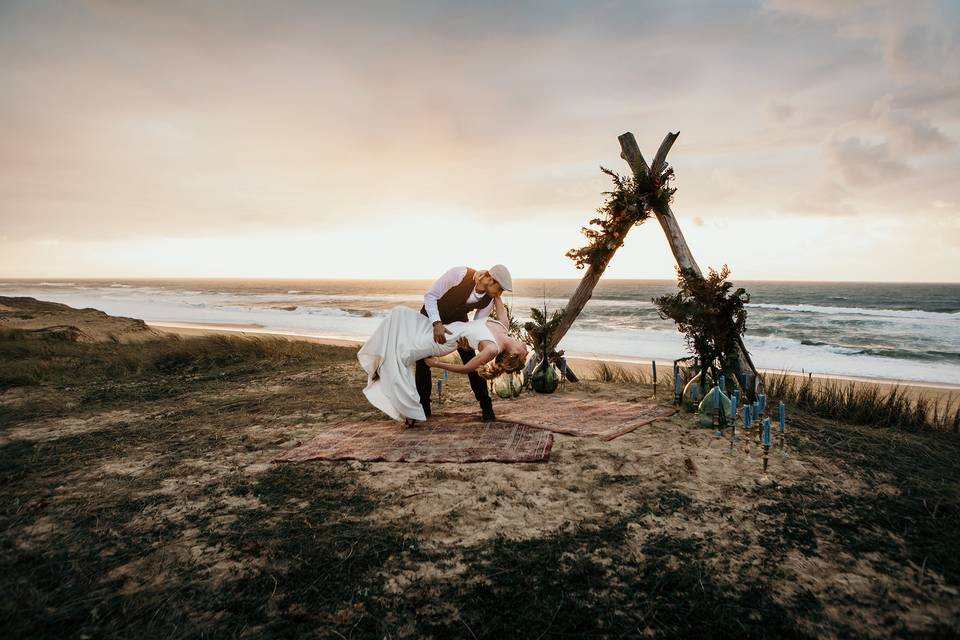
(818, 139)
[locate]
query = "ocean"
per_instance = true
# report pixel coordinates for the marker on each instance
(907, 332)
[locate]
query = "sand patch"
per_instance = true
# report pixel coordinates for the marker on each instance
(49, 429)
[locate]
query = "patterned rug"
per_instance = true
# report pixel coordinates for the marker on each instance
(596, 418)
(449, 438)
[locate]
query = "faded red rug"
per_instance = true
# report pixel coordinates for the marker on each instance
(595, 418)
(448, 438)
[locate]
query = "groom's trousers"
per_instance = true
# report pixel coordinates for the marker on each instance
(478, 384)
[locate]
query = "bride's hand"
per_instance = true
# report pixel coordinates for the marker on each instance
(431, 362)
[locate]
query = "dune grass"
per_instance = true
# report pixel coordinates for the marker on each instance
(31, 362)
(864, 403)
(859, 403)
(63, 375)
(606, 372)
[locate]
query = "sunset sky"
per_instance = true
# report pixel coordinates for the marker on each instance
(818, 139)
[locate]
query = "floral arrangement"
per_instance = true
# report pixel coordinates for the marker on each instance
(629, 204)
(711, 317)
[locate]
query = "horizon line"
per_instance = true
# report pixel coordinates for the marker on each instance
(412, 279)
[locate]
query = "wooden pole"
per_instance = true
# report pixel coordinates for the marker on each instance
(630, 152)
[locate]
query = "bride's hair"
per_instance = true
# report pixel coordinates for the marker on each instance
(503, 363)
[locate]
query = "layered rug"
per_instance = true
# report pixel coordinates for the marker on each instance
(592, 418)
(445, 438)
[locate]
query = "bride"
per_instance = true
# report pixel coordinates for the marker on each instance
(390, 355)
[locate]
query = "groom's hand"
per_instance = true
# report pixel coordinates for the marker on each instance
(440, 332)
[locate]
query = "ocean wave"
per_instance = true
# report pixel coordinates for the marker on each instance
(559, 303)
(56, 284)
(774, 353)
(857, 311)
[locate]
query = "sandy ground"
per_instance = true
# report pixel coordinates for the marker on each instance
(667, 505)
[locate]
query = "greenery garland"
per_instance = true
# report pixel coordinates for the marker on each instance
(629, 204)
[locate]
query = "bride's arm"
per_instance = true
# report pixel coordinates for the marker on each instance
(486, 354)
(501, 310)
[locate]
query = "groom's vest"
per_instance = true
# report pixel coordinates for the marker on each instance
(453, 305)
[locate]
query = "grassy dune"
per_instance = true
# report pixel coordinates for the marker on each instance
(137, 500)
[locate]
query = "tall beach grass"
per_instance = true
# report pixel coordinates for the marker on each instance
(892, 406)
(30, 362)
(864, 403)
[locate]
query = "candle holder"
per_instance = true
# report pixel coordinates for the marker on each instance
(766, 445)
(716, 410)
(677, 389)
(733, 430)
(783, 430)
(747, 419)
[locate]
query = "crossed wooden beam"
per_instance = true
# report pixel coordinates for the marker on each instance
(630, 152)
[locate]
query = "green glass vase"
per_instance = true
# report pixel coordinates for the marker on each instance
(508, 385)
(545, 378)
(707, 406)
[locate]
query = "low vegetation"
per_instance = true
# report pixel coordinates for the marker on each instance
(137, 500)
(859, 403)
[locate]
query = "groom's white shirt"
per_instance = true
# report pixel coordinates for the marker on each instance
(448, 281)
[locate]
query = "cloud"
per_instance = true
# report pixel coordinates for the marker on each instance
(918, 41)
(920, 50)
(906, 132)
(779, 112)
(820, 9)
(828, 199)
(864, 164)
(149, 119)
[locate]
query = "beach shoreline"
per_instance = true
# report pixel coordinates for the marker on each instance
(578, 362)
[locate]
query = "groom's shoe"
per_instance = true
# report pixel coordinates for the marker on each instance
(486, 412)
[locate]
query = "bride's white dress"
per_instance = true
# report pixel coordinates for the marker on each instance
(404, 337)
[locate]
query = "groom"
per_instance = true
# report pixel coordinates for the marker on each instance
(458, 292)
